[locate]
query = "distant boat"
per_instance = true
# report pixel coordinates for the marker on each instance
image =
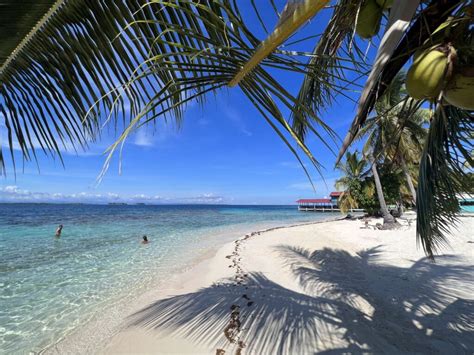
(117, 204)
(466, 202)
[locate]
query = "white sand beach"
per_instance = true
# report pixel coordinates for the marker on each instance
(331, 287)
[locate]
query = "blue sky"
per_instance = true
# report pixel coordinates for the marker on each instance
(223, 153)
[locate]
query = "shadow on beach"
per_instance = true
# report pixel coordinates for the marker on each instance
(350, 304)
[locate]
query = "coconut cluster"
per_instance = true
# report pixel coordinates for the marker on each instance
(370, 16)
(434, 70)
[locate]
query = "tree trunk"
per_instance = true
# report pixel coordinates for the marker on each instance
(387, 217)
(408, 177)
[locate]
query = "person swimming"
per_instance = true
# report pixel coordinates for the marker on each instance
(59, 230)
(145, 240)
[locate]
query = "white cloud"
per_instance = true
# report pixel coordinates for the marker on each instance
(235, 117)
(64, 147)
(152, 134)
(204, 198)
(12, 193)
(143, 138)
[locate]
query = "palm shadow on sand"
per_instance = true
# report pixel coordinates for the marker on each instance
(412, 312)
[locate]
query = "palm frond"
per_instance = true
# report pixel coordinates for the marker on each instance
(325, 66)
(294, 15)
(18, 21)
(427, 21)
(401, 15)
(131, 62)
(442, 175)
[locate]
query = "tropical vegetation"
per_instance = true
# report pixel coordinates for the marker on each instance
(86, 61)
(359, 189)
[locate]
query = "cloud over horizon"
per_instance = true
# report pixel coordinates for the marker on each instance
(13, 193)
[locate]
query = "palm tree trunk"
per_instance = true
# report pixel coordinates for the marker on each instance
(387, 217)
(408, 177)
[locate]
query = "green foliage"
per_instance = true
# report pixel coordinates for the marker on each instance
(392, 181)
(364, 194)
(359, 185)
(443, 175)
(358, 189)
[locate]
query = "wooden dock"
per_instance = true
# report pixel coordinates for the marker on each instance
(323, 204)
(325, 209)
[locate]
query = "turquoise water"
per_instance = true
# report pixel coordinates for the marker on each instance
(49, 287)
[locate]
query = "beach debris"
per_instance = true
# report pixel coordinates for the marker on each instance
(232, 330)
(239, 349)
(220, 352)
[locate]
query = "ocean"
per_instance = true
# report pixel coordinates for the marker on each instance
(50, 287)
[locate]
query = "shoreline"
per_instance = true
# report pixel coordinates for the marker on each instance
(237, 275)
(78, 339)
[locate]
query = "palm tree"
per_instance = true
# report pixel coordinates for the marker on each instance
(396, 131)
(85, 61)
(410, 136)
(354, 170)
(388, 219)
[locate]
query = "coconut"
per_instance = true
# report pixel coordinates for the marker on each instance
(425, 77)
(421, 51)
(460, 92)
(385, 4)
(368, 21)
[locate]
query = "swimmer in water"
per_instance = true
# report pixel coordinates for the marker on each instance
(58, 231)
(145, 240)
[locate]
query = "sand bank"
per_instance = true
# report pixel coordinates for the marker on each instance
(331, 287)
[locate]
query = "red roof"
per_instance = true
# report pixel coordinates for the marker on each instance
(314, 200)
(335, 194)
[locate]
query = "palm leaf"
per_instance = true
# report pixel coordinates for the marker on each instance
(401, 15)
(292, 19)
(91, 60)
(325, 66)
(427, 21)
(18, 22)
(443, 176)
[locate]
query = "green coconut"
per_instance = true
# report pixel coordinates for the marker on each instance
(460, 92)
(385, 4)
(368, 21)
(425, 77)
